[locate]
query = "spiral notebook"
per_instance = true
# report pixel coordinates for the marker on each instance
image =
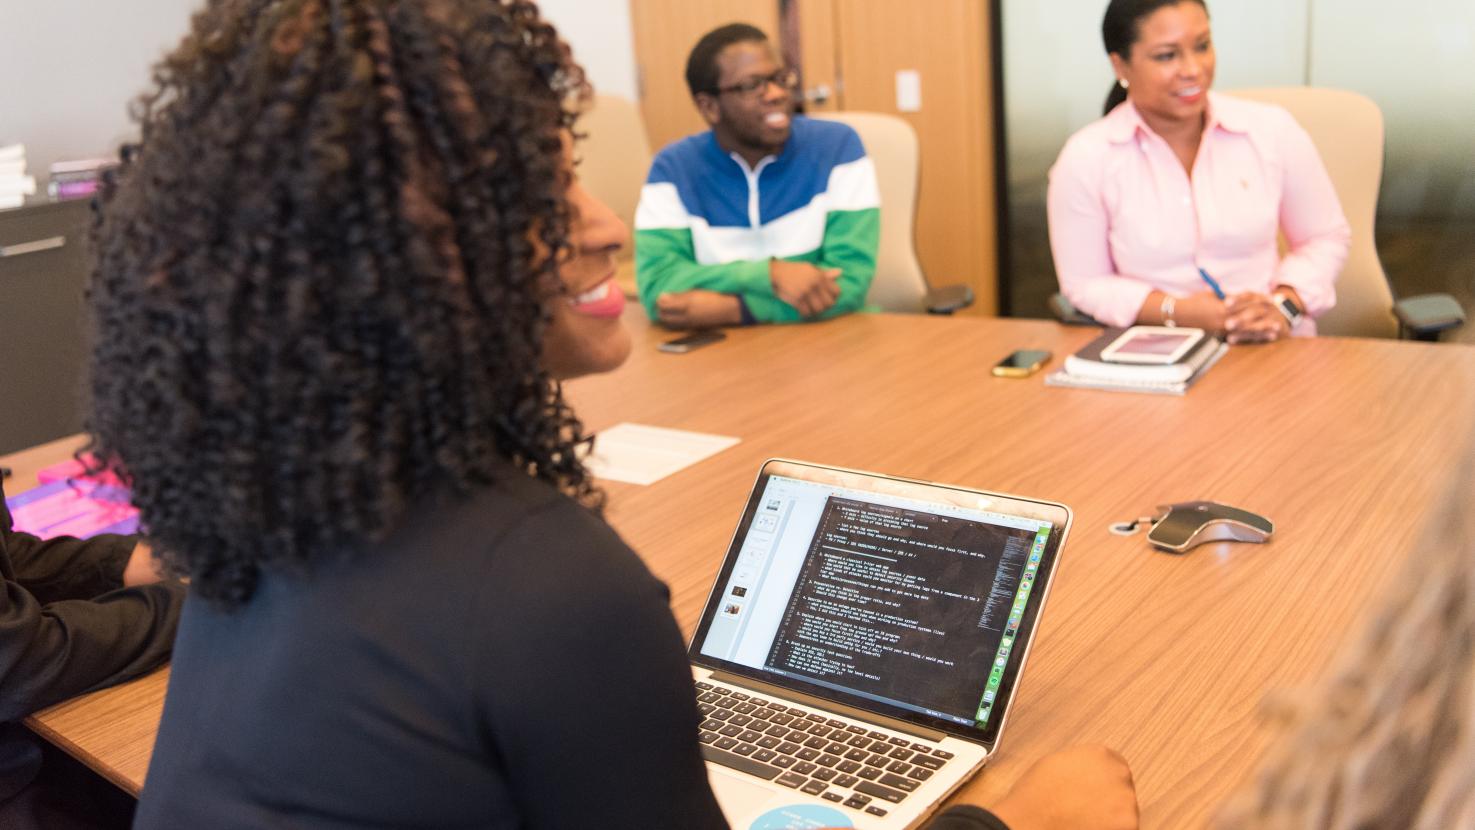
(1086, 370)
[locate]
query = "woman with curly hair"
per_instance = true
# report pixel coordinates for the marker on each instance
(337, 284)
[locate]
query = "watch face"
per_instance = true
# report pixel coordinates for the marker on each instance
(1289, 309)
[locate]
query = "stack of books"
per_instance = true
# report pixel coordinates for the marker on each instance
(1088, 370)
(15, 185)
(78, 179)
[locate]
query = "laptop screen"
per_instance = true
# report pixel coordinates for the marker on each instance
(909, 599)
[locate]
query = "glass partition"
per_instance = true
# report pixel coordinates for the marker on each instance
(1418, 63)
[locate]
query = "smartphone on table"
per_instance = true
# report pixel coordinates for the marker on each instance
(1022, 364)
(694, 340)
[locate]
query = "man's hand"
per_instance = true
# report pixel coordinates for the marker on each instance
(698, 309)
(142, 569)
(1253, 318)
(1082, 788)
(806, 287)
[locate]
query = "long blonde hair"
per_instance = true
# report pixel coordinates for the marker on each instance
(1388, 739)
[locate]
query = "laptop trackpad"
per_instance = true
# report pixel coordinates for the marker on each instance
(739, 797)
(750, 805)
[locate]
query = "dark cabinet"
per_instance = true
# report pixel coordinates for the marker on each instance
(43, 352)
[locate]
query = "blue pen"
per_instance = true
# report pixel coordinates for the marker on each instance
(1218, 292)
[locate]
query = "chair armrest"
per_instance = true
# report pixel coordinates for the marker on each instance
(947, 299)
(1069, 314)
(1426, 315)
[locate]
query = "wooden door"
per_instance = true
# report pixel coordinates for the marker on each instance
(946, 42)
(665, 31)
(819, 57)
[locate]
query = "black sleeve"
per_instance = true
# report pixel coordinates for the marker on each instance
(965, 817)
(62, 568)
(52, 651)
(591, 706)
(67, 568)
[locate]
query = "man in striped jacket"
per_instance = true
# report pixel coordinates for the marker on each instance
(768, 216)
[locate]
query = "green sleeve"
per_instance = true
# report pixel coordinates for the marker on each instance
(665, 261)
(850, 242)
(851, 239)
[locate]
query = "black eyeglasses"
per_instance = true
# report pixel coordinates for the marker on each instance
(787, 79)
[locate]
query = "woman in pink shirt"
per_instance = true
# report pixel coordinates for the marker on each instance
(1165, 211)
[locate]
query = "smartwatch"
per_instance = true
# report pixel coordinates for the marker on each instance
(1287, 307)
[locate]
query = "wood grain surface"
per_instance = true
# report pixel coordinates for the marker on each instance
(1343, 443)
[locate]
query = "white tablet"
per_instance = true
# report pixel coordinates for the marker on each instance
(1152, 344)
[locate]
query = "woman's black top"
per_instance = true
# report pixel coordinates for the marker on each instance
(503, 660)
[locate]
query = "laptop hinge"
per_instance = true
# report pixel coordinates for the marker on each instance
(830, 705)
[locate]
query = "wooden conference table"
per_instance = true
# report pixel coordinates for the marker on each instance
(1343, 443)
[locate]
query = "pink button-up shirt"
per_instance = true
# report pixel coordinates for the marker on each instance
(1126, 218)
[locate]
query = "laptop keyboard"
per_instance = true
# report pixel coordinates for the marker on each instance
(859, 768)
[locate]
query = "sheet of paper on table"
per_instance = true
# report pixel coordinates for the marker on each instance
(639, 454)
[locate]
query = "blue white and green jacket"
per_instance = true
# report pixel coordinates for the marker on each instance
(708, 221)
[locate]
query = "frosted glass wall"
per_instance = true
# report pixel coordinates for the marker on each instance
(1417, 62)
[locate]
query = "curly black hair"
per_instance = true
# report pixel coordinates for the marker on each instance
(321, 277)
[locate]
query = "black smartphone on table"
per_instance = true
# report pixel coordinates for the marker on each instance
(694, 340)
(1022, 363)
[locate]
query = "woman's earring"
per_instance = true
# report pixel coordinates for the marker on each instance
(1122, 82)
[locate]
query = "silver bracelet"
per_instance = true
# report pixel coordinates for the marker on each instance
(1167, 311)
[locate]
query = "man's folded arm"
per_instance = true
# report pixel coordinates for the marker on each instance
(49, 653)
(851, 240)
(665, 262)
(66, 567)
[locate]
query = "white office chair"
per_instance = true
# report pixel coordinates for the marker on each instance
(899, 284)
(614, 154)
(1347, 129)
(614, 159)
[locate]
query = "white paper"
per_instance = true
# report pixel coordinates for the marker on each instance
(640, 454)
(908, 90)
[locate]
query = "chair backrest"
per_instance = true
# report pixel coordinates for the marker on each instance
(615, 156)
(892, 145)
(1347, 129)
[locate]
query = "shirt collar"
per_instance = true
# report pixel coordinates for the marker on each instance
(1227, 114)
(1124, 122)
(782, 156)
(756, 169)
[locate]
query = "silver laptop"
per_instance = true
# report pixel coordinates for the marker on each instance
(860, 648)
